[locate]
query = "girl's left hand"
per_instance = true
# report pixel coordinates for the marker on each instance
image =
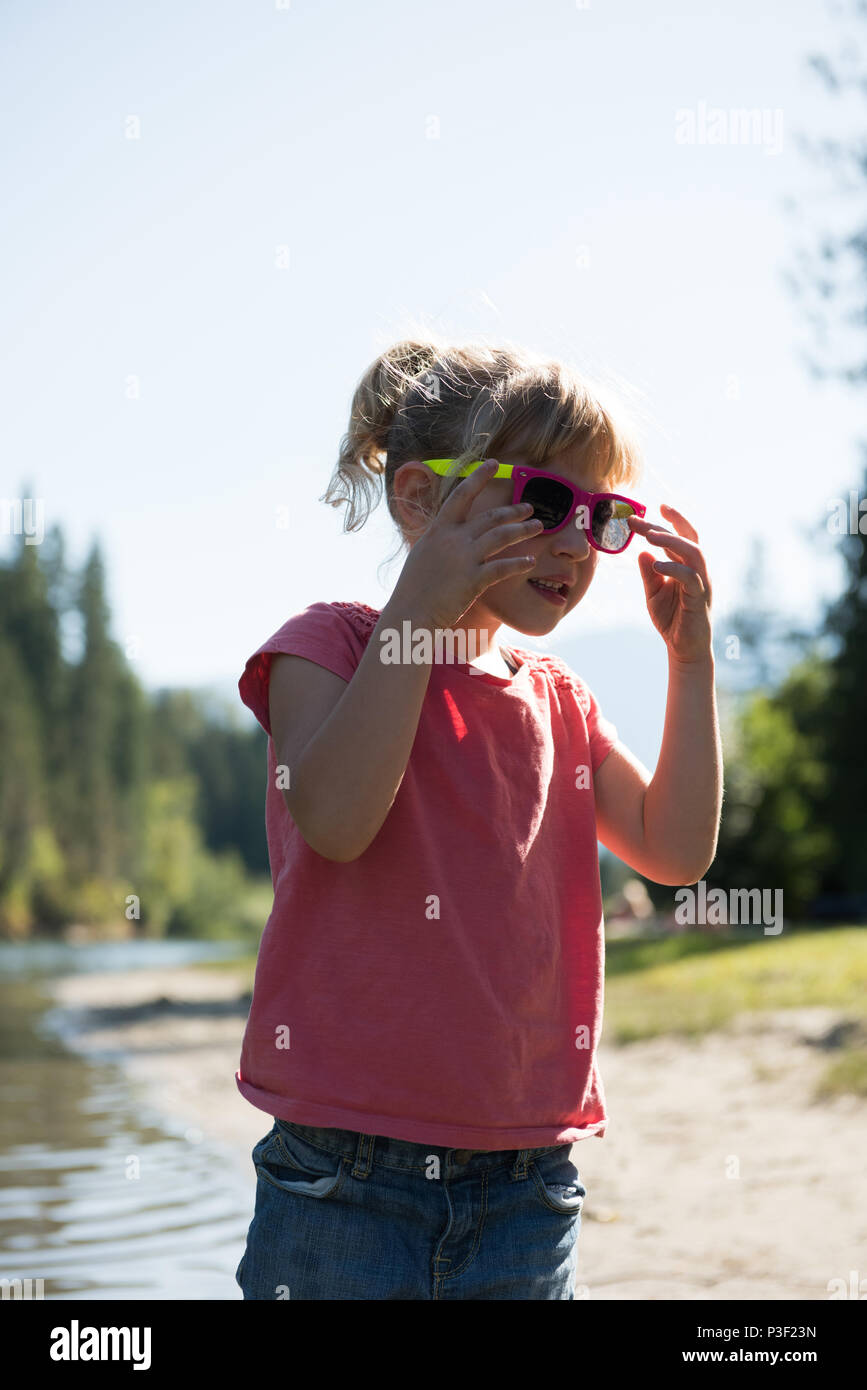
(679, 607)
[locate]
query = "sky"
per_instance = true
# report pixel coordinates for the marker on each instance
(217, 215)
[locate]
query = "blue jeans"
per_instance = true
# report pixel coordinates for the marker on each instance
(344, 1215)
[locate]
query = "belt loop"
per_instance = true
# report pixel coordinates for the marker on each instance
(363, 1156)
(519, 1169)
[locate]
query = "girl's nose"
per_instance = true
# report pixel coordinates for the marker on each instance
(572, 540)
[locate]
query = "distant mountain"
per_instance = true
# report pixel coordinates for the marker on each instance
(627, 670)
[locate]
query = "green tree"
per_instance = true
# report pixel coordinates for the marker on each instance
(105, 791)
(31, 713)
(21, 787)
(831, 282)
(771, 833)
(844, 808)
(93, 716)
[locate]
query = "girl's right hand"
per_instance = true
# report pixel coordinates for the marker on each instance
(449, 566)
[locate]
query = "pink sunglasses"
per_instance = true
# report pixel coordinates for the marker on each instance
(556, 501)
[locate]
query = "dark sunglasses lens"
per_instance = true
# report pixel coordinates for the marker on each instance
(551, 501)
(610, 531)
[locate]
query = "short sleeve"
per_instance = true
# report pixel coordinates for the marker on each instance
(323, 632)
(600, 731)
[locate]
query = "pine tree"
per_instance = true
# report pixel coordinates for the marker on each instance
(93, 717)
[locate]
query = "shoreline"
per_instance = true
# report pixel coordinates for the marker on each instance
(176, 1033)
(718, 1177)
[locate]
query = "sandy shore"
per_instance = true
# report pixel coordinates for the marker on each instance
(718, 1177)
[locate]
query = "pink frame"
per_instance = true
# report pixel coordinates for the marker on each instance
(580, 498)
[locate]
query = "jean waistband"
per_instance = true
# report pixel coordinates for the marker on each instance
(364, 1149)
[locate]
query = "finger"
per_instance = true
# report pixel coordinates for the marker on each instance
(459, 501)
(494, 570)
(678, 548)
(482, 522)
(490, 540)
(659, 535)
(653, 582)
(679, 521)
(683, 574)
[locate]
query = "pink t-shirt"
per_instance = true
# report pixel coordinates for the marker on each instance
(446, 986)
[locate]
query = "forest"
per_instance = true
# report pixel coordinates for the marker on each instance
(140, 813)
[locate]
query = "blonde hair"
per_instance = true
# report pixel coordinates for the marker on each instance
(424, 398)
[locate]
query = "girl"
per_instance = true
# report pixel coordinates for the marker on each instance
(427, 1002)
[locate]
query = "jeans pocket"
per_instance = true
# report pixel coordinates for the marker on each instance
(557, 1182)
(289, 1162)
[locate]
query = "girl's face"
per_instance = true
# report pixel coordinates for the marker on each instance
(564, 555)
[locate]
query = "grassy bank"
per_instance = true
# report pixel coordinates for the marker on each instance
(695, 984)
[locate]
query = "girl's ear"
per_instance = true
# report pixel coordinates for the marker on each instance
(413, 498)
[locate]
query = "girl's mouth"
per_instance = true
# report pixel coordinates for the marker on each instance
(552, 595)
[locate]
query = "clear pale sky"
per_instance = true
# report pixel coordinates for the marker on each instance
(500, 168)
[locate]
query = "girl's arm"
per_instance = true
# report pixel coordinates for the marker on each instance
(666, 826)
(346, 744)
(347, 749)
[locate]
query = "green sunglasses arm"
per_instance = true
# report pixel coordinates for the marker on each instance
(504, 470)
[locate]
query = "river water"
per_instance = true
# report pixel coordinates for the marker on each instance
(99, 1197)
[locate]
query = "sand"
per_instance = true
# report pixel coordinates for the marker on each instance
(718, 1178)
